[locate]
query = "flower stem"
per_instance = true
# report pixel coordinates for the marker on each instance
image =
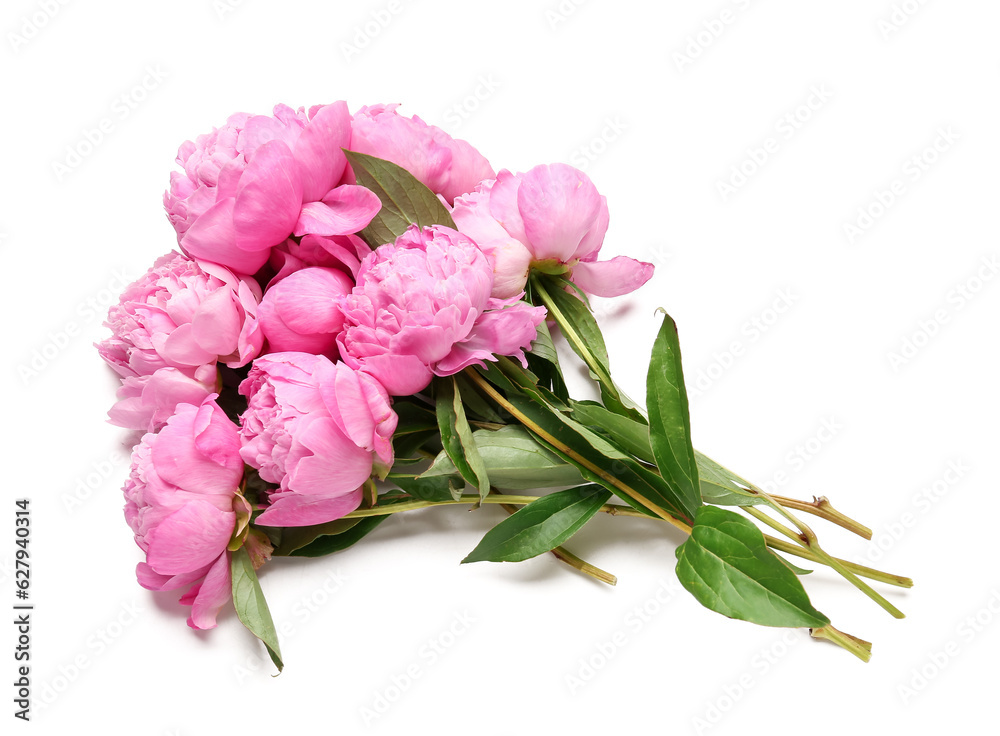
(824, 509)
(468, 498)
(807, 539)
(576, 340)
(858, 647)
(866, 572)
(561, 553)
(596, 470)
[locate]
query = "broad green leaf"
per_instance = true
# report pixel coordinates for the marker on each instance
(416, 425)
(329, 543)
(540, 526)
(432, 485)
(726, 565)
(669, 423)
(297, 537)
(719, 485)
(587, 450)
(543, 346)
(514, 460)
(406, 447)
(723, 487)
(456, 435)
(574, 315)
(575, 319)
(631, 434)
(248, 599)
(543, 360)
(405, 200)
(474, 402)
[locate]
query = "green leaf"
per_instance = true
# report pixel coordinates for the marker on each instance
(543, 346)
(456, 435)
(297, 537)
(514, 460)
(583, 334)
(723, 487)
(329, 543)
(669, 423)
(726, 565)
(475, 402)
(405, 200)
(540, 526)
(631, 434)
(615, 465)
(248, 599)
(435, 484)
(575, 314)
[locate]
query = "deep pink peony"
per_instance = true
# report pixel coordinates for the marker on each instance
(317, 429)
(556, 214)
(446, 165)
(248, 186)
(422, 307)
(182, 502)
(302, 311)
(179, 315)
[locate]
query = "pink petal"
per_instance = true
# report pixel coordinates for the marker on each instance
(199, 453)
(498, 332)
(618, 276)
(402, 375)
(594, 238)
(211, 595)
(348, 406)
(182, 349)
(212, 237)
(295, 509)
(152, 580)
(216, 325)
(269, 199)
(343, 211)
(319, 150)
(217, 438)
(324, 462)
(558, 205)
(189, 538)
(503, 205)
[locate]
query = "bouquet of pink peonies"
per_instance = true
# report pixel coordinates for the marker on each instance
(359, 324)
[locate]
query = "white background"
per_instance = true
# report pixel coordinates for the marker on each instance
(593, 83)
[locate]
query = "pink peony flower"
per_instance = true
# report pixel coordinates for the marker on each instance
(147, 402)
(184, 315)
(317, 429)
(249, 185)
(182, 502)
(422, 307)
(344, 253)
(302, 311)
(170, 328)
(554, 212)
(447, 166)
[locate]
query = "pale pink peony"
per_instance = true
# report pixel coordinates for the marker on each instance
(147, 402)
(422, 307)
(302, 311)
(446, 165)
(556, 214)
(182, 501)
(183, 314)
(259, 179)
(319, 430)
